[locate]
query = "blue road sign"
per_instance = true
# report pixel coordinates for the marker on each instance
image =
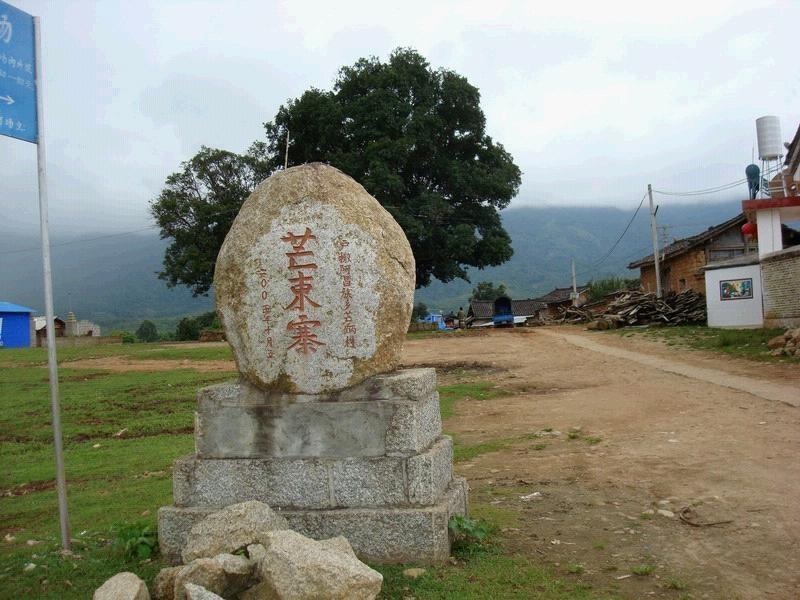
(17, 75)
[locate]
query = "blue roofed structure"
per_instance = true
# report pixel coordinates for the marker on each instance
(16, 323)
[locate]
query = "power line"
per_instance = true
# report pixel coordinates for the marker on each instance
(619, 239)
(720, 188)
(81, 240)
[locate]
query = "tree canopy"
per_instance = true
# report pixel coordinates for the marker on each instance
(486, 290)
(196, 209)
(420, 311)
(147, 332)
(413, 136)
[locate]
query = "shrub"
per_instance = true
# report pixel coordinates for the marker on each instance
(135, 540)
(469, 536)
(127, 336)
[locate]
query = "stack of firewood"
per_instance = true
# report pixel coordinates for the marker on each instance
(642, 308)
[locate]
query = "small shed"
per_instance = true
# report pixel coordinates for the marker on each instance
(15, 325)
(481, 312)
(40, 324)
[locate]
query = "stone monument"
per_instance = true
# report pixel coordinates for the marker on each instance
(314, 286)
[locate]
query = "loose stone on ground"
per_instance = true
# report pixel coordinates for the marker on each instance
(122, 586)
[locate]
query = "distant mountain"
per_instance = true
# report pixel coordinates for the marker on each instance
(545, 239)
(113, 280)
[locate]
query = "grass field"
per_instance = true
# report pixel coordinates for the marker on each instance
(742, 343)
(122, 431)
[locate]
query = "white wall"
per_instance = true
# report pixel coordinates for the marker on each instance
(734, 313)
(770, 234)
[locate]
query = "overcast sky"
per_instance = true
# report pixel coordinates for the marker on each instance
(593, 99)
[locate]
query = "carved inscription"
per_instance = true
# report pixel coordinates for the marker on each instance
(302, 285)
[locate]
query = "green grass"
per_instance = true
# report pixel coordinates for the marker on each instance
(96, 404)
(477, 390)
(462, 453)
(575, 569)
(742, 343)
(674, 584)
(643, 570)
(38, 356)
(490, 576)
(126, 479)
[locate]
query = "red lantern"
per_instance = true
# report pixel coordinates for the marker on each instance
(749, 231)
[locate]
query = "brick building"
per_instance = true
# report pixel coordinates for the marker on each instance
(780, 274)
(683, 260)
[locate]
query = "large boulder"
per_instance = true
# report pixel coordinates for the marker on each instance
(122, 586)
(298, 568)
(314, 283)
(231, 529)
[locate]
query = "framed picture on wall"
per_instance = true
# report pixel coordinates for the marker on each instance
(736, 289)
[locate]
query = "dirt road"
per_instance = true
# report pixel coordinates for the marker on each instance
(644, 438)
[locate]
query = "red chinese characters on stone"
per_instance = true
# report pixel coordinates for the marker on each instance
(305, 340)
(302, 284)
(345, 263)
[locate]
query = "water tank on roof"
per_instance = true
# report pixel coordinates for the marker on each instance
(770, 142)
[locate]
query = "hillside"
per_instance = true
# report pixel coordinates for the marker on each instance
(113, 281)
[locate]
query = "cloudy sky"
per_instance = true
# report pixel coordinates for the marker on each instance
(593, 99)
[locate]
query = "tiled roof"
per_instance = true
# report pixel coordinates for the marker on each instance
(481, 309)
(680, 246)
(526, 308)
(560, 294)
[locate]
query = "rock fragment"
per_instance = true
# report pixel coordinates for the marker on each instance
(122, 586)
(231, 529)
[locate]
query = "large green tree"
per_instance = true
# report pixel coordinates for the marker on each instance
(413, 136)
(196, 209)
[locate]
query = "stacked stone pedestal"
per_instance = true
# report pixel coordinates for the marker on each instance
(368, 462)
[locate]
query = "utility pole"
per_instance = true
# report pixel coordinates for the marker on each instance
(574, 286)
(654, 234)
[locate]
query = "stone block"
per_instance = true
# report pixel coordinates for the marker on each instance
(396, 413)
(277, 482)
(428, 474)
(307, 483)
(380, 535)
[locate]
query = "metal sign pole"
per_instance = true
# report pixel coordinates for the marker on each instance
(52, 364)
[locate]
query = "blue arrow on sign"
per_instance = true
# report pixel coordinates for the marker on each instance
(17, 75)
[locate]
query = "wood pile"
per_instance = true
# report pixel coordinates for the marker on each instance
(642, 308)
